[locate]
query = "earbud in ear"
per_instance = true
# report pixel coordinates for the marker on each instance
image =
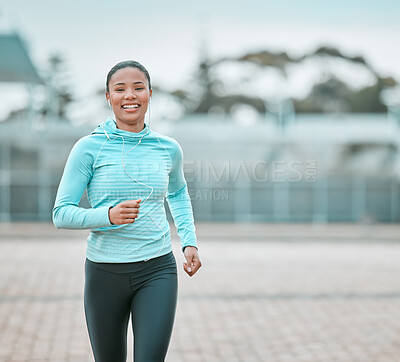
(109, 103)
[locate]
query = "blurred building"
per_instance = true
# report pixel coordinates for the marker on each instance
(278, 167)
(315, 168)
(15, 63)
(18, 156)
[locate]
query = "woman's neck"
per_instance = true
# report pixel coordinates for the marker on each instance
(135, 128)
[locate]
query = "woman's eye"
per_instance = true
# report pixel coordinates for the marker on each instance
(139, 88)
(119, 89)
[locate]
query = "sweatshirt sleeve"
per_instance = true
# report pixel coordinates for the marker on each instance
(77, 174)
(179, 200)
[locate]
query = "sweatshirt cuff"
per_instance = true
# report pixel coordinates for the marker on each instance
(183, 247)
(108, 215)
(102, 216)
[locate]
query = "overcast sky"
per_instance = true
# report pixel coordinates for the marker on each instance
(165, 35)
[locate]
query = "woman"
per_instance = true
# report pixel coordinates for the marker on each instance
(128, 170)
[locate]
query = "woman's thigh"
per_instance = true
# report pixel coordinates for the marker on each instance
(153, 314)
(107, 301)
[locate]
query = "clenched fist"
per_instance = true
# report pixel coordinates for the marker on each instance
(125, 212)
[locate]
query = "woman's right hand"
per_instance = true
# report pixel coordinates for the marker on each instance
(125, 212)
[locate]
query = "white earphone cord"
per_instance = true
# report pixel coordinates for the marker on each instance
(123, 164)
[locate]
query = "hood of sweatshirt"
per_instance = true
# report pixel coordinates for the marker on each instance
(110, 130)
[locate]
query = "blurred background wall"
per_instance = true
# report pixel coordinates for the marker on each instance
(285, 113)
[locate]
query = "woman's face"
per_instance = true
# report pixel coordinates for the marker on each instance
(129, 95)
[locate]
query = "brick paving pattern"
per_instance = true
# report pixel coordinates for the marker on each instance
(265, 293)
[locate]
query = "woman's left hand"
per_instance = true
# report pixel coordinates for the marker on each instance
(193, 261)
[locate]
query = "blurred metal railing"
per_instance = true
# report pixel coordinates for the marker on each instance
(29, 195)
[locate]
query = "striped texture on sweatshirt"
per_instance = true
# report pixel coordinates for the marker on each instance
(115, 165)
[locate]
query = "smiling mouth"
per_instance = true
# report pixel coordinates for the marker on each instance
(130, 106)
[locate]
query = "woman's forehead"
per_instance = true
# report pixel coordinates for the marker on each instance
(131, 75)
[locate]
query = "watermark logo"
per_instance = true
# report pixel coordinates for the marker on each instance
(254, 172)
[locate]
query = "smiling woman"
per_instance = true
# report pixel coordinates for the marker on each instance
(129, 93)
(128, 170)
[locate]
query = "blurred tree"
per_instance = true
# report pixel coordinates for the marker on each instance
(330, 95)
(205, 82)
(59, 95)
(209, 95)
(334, 95)
(367, 99)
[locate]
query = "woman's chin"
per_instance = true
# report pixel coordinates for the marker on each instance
(130, 118)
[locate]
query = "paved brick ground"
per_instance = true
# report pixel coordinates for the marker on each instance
(265, 293)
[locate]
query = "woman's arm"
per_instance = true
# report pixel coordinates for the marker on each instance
(181, 209)
(77, 174)
(179, 200)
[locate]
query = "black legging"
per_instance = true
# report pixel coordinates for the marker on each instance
(148, 290)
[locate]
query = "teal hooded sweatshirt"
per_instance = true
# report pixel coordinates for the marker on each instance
(115, 165)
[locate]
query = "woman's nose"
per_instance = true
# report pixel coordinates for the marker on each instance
(130, 94)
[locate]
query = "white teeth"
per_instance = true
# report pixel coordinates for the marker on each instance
(131, 106)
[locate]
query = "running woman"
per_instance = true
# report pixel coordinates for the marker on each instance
(130, 270)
